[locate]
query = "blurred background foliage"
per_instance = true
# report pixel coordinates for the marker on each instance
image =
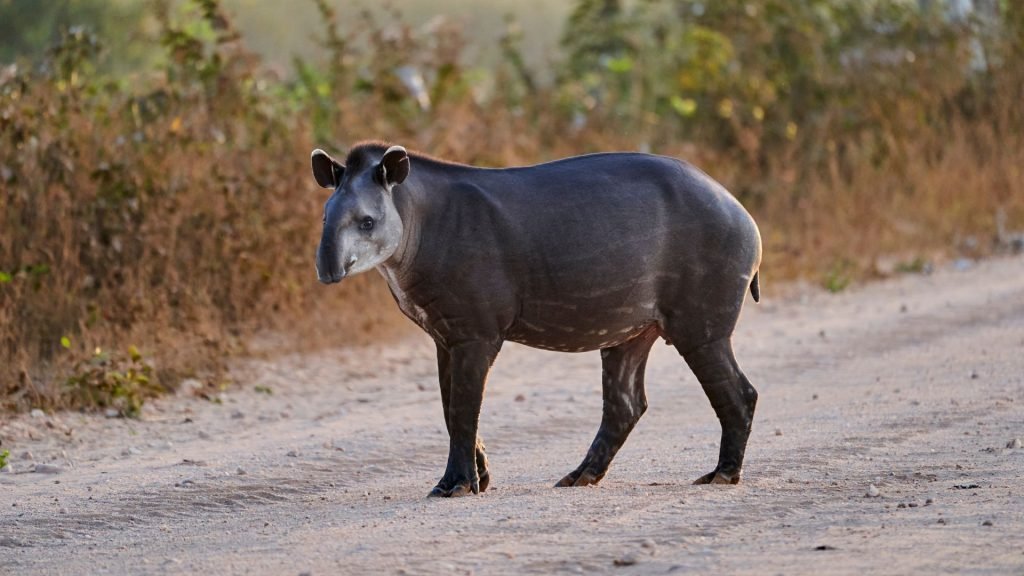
(156, 211)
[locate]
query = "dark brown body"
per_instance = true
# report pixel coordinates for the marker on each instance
(603, 252)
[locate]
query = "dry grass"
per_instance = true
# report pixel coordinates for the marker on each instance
(177, 214)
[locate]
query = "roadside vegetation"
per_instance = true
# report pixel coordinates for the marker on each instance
(157, 212)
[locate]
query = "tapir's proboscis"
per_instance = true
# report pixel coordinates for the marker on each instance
(601, 252)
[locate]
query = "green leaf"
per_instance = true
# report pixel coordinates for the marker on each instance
(65, 342)
(620, 65)
(5, 277)
(134, 353)
(685, 107)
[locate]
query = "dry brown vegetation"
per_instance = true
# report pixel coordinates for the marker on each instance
(174, 212)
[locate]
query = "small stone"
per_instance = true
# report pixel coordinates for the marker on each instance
(912, 505)
(131, 451)
(62, 511)
(237, 415)
(901, 505)
(8, 469)
(204, 435)
(240, 471)
(872, 492)
(903, 308)
(111, 413)
(942, 521)
(962, 264)
(292, 454)
(778, 431)
(1014, 444)
(814, 396)
(190, 385)
(26, 455)
(520, 398)
(37, 413)
(986, 523)
(929, 502)
(626, 560)
(974, 374)
(648, 543)
(46, 469)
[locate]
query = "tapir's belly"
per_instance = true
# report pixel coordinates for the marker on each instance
(595, 317)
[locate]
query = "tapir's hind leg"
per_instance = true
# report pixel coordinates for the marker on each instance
(733, 399)
(624, 402)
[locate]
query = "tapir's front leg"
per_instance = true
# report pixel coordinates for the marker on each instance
(468, 364)
(444, 377)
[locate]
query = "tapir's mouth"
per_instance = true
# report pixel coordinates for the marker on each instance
(331, 279)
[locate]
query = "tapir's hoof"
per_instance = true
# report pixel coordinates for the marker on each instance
(446, 489)
(717, 477)
(576, 478)
(485, 481)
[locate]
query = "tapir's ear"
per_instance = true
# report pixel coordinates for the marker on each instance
(394, 166)
(326, 170)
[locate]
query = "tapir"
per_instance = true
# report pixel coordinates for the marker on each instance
(604, 252)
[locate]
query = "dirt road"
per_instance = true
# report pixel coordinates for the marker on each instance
(915, 386)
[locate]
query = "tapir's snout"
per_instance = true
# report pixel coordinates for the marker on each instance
(328, 269)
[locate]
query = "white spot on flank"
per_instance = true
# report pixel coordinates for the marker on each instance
(627, 330)
(602, 332)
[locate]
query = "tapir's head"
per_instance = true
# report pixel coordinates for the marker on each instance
(361, 225)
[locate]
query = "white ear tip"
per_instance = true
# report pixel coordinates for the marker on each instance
(317, 152)
(395, 148)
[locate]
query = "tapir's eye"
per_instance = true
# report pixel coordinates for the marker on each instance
(366, 224)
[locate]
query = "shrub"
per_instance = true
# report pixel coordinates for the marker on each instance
(174, 209)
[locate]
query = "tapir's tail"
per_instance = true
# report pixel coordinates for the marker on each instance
(755, 288)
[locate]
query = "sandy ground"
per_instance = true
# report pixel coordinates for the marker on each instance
(914, 385)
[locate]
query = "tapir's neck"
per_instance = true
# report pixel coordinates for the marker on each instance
(421, 195)
(410, 206)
